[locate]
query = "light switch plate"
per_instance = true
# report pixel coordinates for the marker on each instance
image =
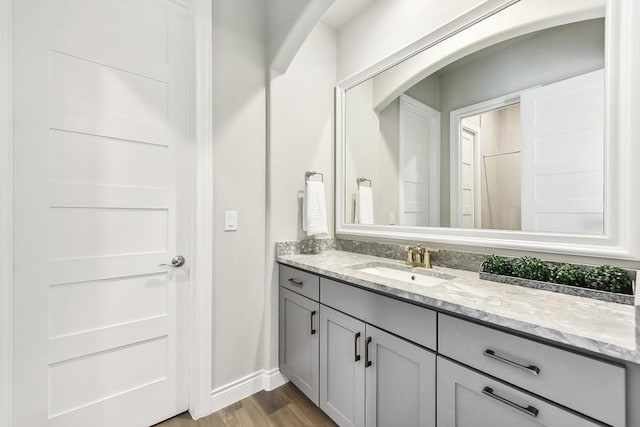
(231, 221)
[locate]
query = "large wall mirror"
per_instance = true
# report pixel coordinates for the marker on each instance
(499, 134)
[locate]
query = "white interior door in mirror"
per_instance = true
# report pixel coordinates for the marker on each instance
(563, 156)
(419, 163)
(469, 188)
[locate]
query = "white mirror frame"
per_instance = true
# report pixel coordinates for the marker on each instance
(621, 238)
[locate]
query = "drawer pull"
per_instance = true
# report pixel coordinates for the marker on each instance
(313, 314)
(367, 362)
(296, 281)
(529, 410)
(532, 369)
(356, 356)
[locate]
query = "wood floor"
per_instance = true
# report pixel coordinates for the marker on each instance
(284, 406)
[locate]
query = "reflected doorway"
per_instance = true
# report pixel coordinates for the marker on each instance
(490, 151)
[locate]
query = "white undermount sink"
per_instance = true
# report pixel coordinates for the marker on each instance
(419, 278)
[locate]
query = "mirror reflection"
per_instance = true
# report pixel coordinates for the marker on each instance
(509, 137)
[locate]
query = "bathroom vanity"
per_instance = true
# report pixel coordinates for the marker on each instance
(371, 350)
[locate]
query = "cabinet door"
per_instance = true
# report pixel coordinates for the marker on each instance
(400, 382)
(469, 399)
(341, 367)
(299, 342)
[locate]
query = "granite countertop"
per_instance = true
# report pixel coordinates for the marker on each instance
(600, 327)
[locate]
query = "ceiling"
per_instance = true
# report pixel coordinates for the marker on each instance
(342, 11)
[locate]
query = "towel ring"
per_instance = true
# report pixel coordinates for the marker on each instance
(361, 180)
(309, 174)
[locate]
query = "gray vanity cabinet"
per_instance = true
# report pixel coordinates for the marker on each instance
(299, 342)
(369, 377)
(467, 398)
(368, 359)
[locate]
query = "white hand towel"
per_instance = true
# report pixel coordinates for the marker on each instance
(365, 205)
(314, 209)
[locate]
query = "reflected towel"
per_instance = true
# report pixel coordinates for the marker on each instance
(365, 205)
(314, 210)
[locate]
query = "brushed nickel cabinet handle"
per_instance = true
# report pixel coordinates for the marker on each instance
(313, 314)
(356, 356)
(367, 362)
(296, 281)
(532, 369)
(529, 410)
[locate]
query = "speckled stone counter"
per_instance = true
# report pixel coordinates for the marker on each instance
(600, 327)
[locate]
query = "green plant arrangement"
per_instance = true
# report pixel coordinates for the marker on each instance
(609, 278)
(531, 268)
(605, 282)
(567, 274)
(495, 264)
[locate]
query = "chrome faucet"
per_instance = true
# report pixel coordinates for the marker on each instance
(417, 256)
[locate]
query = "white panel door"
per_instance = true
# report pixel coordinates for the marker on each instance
(419, 164)
(468, 171)
(102, 127)
(563, 156)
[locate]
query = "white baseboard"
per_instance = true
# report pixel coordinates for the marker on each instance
(237, 390)
(274, 379)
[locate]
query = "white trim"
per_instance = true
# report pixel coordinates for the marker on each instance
(244, 387)
(6, 214)
(432, 115)
(201, 297)
(622, 206)
(273, 379)
(455, 131)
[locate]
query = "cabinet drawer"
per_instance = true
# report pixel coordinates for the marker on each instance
(590, 386)
(409, 321)
(469, 399)
(301, 282)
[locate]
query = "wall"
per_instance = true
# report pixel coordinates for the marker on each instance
(281, 17)
(301, 135)
(362, 154)
(427, 91)
(387, 26)
(386, 188)
(289, 22)
(239, 137)
(372, 152)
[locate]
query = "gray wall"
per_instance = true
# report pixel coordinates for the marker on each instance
(239, 117)
(301, 135)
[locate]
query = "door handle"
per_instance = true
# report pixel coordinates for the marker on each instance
(313, 314)
(296, 281)
(367, 362)
(356, 355)
(177, 261)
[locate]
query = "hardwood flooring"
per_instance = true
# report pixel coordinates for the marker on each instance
(284, 406)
